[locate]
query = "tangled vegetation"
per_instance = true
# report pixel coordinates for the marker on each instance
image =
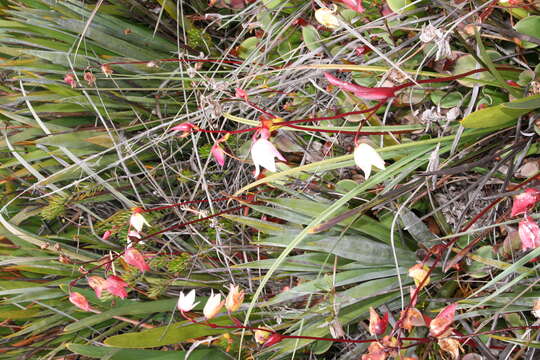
(356, 180)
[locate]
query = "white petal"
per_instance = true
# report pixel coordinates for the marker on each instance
(365, 157)
(262, 153)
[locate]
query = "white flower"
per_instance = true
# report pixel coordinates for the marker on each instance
(453, 113)
(365, 157)
(327, 18)
(137, 221)
(213, 306)
(263, 153)
(186, 302)
(430, 33)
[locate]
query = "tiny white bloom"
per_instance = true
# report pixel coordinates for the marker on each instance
(137, 220)
(213, 305)
(186, 302)
(263, 153)
(430, 33)
(453, 113)
(327, 18)
(365, 157)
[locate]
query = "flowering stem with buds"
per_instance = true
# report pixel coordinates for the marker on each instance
(135, 241)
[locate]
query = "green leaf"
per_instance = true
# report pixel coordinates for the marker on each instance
(130, 309)
(528, 103)
(166, 335)
(340, 279)
(311, 37)
(467, 63)
(400, 6)
(261, 225)
(102, 352)
(529, 26)
(79, 139)
(363, 250)
(499, 115)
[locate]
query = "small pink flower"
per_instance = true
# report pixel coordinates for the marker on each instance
(79, 301)
(376, 93)
(525, 201)
(218, 154)
(90, 78)
(69, 79)
(98, 284)
(241, 94)
(106, 69)
(443, 320)
(133, 257)
(106, 235)
(362, 50)
(529, 233)
(116, 286)
(263, 153)
(186, 128)
(355, 5)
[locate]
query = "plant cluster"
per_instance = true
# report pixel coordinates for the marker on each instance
(361, 179)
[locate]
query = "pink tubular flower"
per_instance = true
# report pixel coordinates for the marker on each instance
(90, 78)
(263, 153)
(106, 69)
(355, 5)
(241, 94)
(529, 233)
(69, 79)
(443, 320)
(106, 235)
(525, 201)
(98, 284)
(79, 301)
(133, 257)
(218, 154)
(376, 93)
(186, 128)
(273, 339)
(116, 286)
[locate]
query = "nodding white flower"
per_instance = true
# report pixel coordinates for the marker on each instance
(263, 153)
(186, 302)
(213, 306)
(137, 221)
(327, 18)
(234, 299)
(365, 157)
(431, 34)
